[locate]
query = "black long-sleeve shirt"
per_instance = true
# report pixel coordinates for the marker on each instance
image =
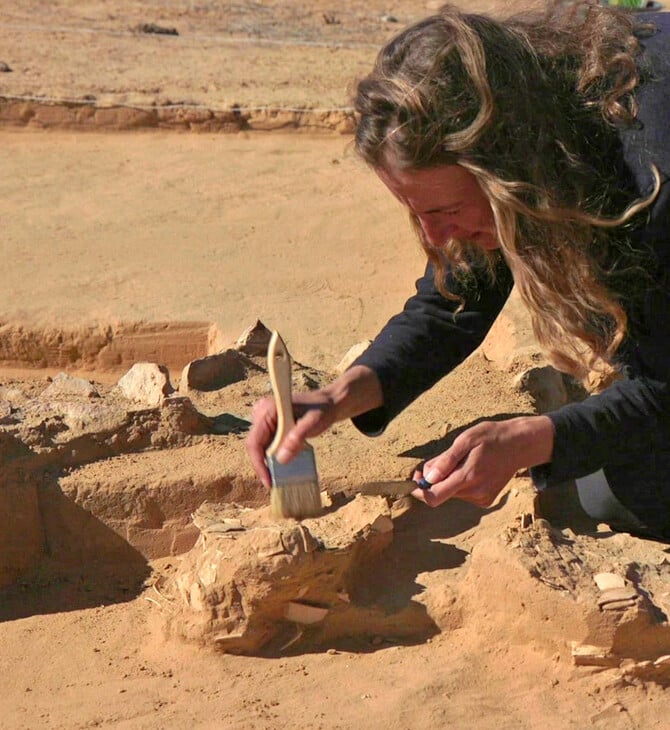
(616, 430)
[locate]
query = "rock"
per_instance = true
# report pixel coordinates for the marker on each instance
(146, 383)
(5, 412)
(593, 656)
(605, 581)
(646, 670)
(545, 385)
(155, 28)
(544, 572)
(64, 385)
(303, 613)
(4, 67)
(254, 340)
(249, 581)
(618, 599)
(356, 351)
(214, 372)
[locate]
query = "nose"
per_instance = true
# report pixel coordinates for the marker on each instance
(437, 232)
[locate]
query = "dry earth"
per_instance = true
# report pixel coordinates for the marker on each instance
(126, 603)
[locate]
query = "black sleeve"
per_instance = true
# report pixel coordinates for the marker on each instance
(630, 420)
(630, 417)
(429, 338)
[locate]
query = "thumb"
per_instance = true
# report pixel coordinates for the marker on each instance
(437, 469)
(309, 424)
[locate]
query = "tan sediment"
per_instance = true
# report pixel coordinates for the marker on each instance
(105, 348)
(84, 116)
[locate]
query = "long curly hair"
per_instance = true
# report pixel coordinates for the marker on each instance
(529, 105)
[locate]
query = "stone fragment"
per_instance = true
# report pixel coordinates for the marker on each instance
(605, 581)
(590, 655)
(617, 599)
(146, 383)
(545, 385)
(64, 385)
(354, 352)
(303, 613)
(5, 411)
(254, 340)
(383, 523)
(155, 28)
(243, 588)
(214, 372)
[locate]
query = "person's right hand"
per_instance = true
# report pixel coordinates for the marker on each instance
(314, 412)
(356, 391)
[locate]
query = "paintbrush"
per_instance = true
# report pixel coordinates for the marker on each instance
(295, 486)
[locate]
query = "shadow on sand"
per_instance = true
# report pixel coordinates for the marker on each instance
(84, 563)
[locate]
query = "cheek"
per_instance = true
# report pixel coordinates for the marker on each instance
(437, 231)
(480, 217)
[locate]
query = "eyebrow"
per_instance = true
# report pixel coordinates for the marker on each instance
(440, 208)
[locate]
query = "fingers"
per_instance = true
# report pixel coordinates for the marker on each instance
(462, 471)
(443, 490)
(439, 468)
(481, 494)
(314, 417)
(264, 424)
(445, 473)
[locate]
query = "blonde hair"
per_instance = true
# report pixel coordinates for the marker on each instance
(465, 89)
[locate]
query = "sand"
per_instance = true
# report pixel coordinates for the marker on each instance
(134, 229)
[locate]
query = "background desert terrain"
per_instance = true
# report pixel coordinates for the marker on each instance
(159, 194)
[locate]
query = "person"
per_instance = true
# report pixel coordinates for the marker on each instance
(531, 152)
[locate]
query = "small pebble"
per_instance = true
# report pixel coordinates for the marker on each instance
(4, 67)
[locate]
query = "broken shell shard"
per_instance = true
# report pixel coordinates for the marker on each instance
(304, 613)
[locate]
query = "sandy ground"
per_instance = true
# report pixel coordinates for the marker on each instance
(215, 229)
(164, 246)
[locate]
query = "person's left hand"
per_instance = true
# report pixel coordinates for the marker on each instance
(484, 458)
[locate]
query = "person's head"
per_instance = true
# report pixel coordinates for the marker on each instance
(521, 113)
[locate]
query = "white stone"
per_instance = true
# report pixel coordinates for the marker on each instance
(67, 385)
(146, 383)
(605, 581)
(303, 613)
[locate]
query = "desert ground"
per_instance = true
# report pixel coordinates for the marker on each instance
(166, 199)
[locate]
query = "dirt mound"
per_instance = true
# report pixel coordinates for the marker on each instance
(125, 474)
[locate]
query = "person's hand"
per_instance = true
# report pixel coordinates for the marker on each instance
(483, 459)
(356, 391)
(314, 412)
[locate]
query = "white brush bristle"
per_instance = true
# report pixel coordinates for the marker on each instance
(295, 500)
(295, 486)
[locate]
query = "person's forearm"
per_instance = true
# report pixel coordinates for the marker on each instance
(534, 436)
(356, 391)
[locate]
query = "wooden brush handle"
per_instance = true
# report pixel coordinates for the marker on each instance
(279, 366)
